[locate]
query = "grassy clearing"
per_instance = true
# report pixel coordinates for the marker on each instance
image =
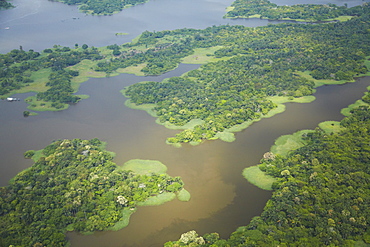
(184, 195)
(286, 143)
(189, 125)
(38, 154)
(225, 136)
(347, 111)
(86, 71)
(124, 221)
(285, 99)
(135, 69)
(158, 200)
(39, 105)
(258, 178)
(145, 107)
(202, 56)
(144, 167)
(319, 83)
(330, 126)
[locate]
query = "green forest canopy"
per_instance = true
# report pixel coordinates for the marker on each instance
(256, 63)
(74, 185)
(322, 193)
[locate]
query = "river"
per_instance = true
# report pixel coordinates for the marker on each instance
(222, 199)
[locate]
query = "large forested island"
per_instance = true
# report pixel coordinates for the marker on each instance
(5, 5)
(75, 186)
(299, 12)
(102, 7)
(322, 191)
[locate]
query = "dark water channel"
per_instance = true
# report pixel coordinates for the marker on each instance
(222, 199)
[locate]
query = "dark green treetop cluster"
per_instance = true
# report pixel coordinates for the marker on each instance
(75, 185)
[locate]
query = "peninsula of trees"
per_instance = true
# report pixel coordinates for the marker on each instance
(322, 193)
(299, 12)
(75, 186)
(103, 7)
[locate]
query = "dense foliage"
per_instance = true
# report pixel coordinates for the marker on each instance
(256, 63)
(17, 66)
(103, 7)
(73, 186)
(266, 9)
(322, 196)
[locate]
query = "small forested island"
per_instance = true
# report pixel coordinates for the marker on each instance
(5, 5)
(322, 192)
(102, 7)
(299, 12)
(75, 186)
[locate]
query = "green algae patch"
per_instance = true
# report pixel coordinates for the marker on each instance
(183, 195)
(286, 143)
(189, 125)
(158, 199)
(144, 167)
(258, 178)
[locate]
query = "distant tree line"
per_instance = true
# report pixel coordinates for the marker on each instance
(5, 5)
(103, 7)
(309, 12)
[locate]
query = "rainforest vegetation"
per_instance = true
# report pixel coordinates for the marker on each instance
(74, 185)
(321, 196)
(21, 69)
(300, 12)
(105, 7)
(255, 64)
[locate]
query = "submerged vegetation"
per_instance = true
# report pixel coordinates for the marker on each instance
(75, 186)
(298, 12)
